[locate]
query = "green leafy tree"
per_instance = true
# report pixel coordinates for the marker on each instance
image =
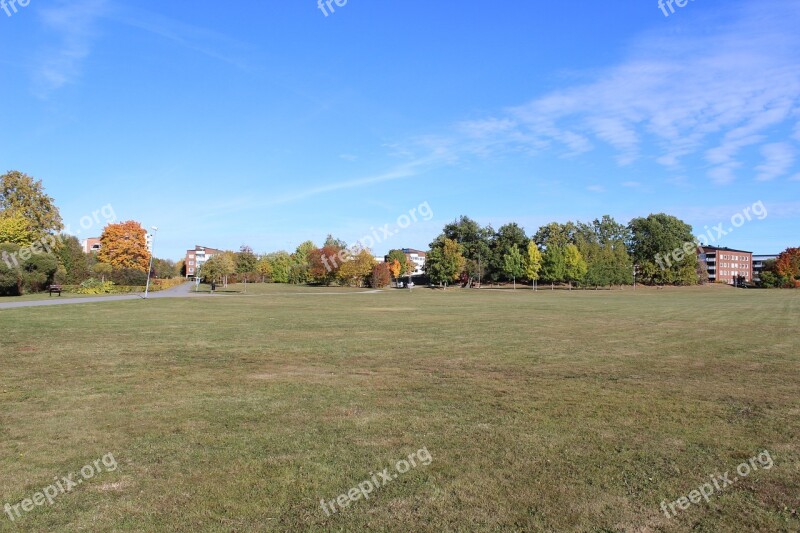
(513, 264)
(219, 267)
(555, 234)
(74, 261)
(21, 195)
(507, 237)
(445, 262)
(30, 272)
(246, 262)
(476, 245)
(102, 270)
(10, 273)
(335, 243)
(603, 244)
(402, 259)
(664, 250)
(39, 271)
(554, 265)
(280, 263)
(165, 269)
(405, 266)
(770, 280)
(299, 271)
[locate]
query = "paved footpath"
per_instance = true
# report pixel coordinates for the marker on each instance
(181, 291)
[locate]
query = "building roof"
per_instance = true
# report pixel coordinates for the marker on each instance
(198, 248)
(706, 247)
(413, 251)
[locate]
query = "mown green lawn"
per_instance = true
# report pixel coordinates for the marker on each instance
(551, 411)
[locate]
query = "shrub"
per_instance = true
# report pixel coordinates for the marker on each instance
(95, 286)
(128, 276)
(164, 284)
(18, 275)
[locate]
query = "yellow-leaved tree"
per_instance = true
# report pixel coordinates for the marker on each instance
(356, 271)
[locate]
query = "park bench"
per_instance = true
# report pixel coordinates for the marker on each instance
(54, 288)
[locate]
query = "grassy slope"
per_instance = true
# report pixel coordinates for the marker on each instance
(554, 411)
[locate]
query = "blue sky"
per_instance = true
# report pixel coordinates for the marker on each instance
(268, 123)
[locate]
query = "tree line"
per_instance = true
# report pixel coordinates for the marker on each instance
(34, 253)
(601, 253)
(659, 249)
(333, 263)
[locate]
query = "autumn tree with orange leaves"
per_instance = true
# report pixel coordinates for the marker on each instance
(124, 245)
(788, 263)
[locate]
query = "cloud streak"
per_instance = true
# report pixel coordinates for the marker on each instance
(73, 26)
(706, 98)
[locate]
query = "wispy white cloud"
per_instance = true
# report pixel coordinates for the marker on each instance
(402, 171)
(72, 26)
(209, 43)
(778, 160)
(705, 93)
(631, 184)
(596, 188)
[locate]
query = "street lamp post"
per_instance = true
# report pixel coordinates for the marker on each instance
(149, 270)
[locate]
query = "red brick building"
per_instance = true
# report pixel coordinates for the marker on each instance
(725, 264)
(197, 257)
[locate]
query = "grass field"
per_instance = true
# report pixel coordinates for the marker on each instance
(547, 411)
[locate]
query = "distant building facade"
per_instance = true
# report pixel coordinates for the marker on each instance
(417, 257)
(726, 264)
(758, 265)
(91, 245)
(197, 257)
